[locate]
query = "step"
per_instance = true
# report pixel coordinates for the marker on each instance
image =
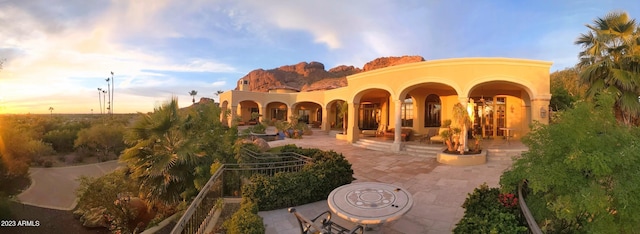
(373, 145)
(423, 150)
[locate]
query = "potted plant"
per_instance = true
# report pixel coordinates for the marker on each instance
(299, 129)
(451, 136)
(281, 126)
(455, 153)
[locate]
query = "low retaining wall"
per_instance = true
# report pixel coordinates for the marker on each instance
(462, 160)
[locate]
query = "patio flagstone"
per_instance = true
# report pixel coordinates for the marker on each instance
(438, 190)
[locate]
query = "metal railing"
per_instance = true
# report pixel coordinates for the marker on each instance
(227, 181)
(531, 222)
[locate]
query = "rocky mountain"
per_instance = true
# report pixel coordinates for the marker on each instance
(313, 76)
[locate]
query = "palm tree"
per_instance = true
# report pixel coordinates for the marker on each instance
(51, 110)
(109, 94)
(610, 62)
(104, 99)
(100, 99)
(162, 155)
(193, 94)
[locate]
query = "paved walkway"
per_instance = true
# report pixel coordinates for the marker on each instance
(438, 190)
(55, 187)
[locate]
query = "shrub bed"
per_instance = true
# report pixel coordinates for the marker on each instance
(246, 220)
(488, 211)
(314, 182)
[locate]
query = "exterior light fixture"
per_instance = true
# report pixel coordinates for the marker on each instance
(543, 112)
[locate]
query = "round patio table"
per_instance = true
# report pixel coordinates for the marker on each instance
(370, 202)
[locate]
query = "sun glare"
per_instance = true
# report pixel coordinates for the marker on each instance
(2, 149)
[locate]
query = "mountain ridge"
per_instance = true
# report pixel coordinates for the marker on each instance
(312, 76)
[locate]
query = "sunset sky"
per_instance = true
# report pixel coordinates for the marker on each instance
(58, 52)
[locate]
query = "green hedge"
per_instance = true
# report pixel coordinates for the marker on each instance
(313, 183)
(246, 220)
(487, 211)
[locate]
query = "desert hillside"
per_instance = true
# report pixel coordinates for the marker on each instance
(313, 76)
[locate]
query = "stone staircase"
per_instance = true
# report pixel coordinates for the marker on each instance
(430, 151)
(410, 149)
(374, 145)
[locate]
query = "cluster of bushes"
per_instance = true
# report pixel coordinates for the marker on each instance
(489, 211)
(314, 182)
(581, 172)
(246, 220)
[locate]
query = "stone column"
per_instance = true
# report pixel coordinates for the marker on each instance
(326, 125)
(397, 115)
(263, 114)
(353, 131)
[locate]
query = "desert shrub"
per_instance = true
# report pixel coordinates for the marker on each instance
(246, 220)
(582, 172)
(314, 182)
(106, 139)
(258, 128)
(488, 211)
(103, 193)
(61, 140)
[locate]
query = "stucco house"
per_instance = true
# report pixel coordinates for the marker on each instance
(504, 92)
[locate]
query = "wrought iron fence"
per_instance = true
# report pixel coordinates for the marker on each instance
(227, 181)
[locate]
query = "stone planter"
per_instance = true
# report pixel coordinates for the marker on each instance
(340, 136)
(462, 160)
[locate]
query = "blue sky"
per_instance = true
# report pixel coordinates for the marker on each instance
(58, 52)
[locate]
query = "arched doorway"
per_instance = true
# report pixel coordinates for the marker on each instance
(432, 111)
(373, 109)
(277, 111)
(308, 112)
(249, 112)
(499, 105)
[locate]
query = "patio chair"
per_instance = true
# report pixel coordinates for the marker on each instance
(437, 137)
(324, 226)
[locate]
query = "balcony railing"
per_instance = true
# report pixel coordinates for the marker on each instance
(227, 181)
(531, 222)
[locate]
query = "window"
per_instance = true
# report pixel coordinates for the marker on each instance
(407, 112)
(279, 114)
(303, 116)
(432, 110)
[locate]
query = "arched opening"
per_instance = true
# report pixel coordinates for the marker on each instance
(308, 112)
(224, 106)
(431, 105)
(249, 113)
(373, 110)
(334, 115)
(500, 105)
(277, 111)
(432, 111)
